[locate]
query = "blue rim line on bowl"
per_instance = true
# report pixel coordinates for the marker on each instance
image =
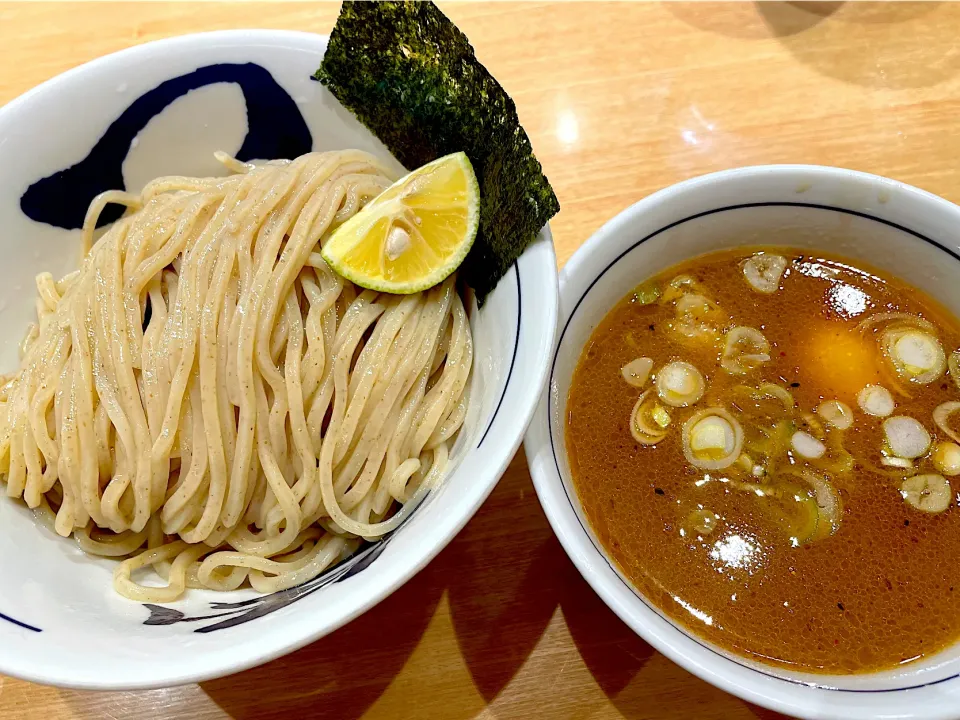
(513, 357)
(556, 461)
(20, 624)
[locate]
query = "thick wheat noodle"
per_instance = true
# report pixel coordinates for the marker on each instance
(207, 398)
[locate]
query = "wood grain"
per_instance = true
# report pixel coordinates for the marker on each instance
(619, 100)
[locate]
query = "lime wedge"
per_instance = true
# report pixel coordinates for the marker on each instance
(414, 234)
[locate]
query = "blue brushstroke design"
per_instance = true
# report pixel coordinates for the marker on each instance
(275, 130)
(513, 358)
(238, 613)
(20, 624)
(243, 611)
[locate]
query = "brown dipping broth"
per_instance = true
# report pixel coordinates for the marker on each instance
(883, 589)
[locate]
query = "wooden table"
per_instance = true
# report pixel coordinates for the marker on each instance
(619, 100)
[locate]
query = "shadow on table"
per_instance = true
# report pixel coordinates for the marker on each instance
(742, 20)
(499, 611)
(341, 675)
(764, 714)
(874, 45)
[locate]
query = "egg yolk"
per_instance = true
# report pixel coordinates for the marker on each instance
(840, 362)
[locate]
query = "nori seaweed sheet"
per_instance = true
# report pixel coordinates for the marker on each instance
(411, 76)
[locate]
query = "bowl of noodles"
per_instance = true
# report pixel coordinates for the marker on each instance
(212, 442)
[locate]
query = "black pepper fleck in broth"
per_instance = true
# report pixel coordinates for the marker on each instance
(752, 547)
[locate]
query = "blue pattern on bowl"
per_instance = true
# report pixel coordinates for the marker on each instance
(276, 130)
(19, 624)
(237, 613)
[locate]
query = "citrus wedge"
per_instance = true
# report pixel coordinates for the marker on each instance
(414, 234)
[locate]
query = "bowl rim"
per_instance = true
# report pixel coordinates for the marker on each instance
(789, 694)
(289, 635)
(210, 37)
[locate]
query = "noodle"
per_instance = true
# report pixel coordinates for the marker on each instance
(205, 397)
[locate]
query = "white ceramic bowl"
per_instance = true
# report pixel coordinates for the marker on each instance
(905, 231)
(60, 621)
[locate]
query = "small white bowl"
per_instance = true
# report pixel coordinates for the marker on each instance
(891, 226)
(60, 620)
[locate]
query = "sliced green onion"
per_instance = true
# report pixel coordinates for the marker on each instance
(946, 458)
(942, 413)
(915, 355)
(646, 294)
(698, 319)
(637, 371)
(826, 516)
(660, 416)
(680, 384)
(645, 429)
(876, 319)
(836, 413)
(876, 400)
(790, 506)
(896, 462)
(764, 272)
(712, 439)
(811, 423)
(828, 503)
(775, 391)
(678, 287)
(744, 349)
(807, 446)
(906, 437)
(929, 493)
